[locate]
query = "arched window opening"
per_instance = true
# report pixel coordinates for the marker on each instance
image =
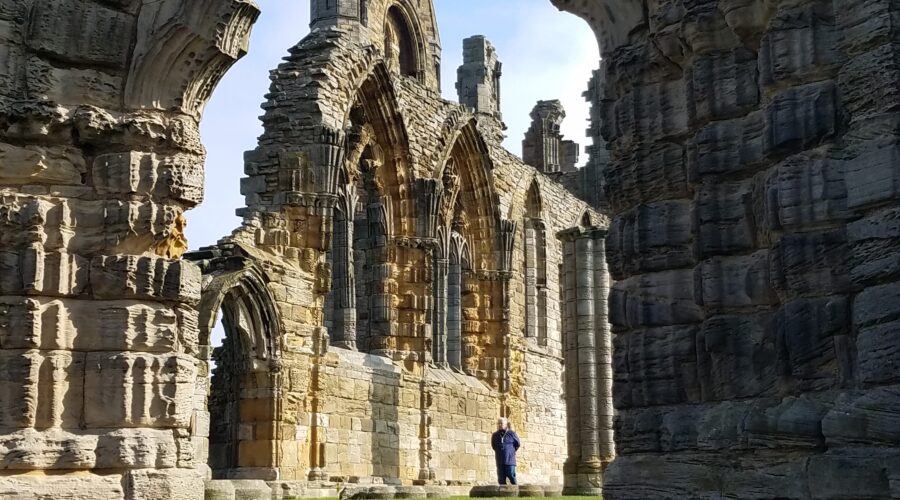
(467, 298)
(399, 44)
(458, 266)
(360, 229)
(536, 291)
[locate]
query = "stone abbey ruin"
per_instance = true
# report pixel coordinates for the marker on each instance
(710, 308)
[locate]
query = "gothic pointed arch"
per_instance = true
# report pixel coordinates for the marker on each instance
(466, 168)
(236, 290)
(470, 290)
(401, 42)
(537, 294)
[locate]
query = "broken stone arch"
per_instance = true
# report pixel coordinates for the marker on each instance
(242, 390)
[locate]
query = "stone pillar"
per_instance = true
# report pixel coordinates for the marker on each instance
(603, 343)
(544, 147)
(343, 271)
(531, 293)
(454, 315)
(441, 270)
(101, 155)
(588, 361)
(382, 309)
(478, 79)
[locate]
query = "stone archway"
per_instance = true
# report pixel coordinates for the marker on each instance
(242, 400)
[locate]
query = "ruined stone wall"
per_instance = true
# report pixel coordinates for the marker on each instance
(100, 105)
(753, 181)
(344, 127)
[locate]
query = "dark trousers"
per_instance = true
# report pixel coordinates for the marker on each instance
(504, 472)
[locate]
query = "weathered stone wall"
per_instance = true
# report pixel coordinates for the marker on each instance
(358, 154)
(753, 180)
(100, 104)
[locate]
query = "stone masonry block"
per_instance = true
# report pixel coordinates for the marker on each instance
(722, 85)
(139, 390)
(83, 325)
(732, 282)
(177, 177)
(810, 263)
(656, 366)
(737, 357)
(642, 246)
(813, 342)
(801, 42)
(151, 278)
(725, 219)
(56, 30)
(805, 191)
(874, 242)
(657, 299)
(646, 174)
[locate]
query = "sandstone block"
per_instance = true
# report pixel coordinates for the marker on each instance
(804, 191)
(176, 177)
(799, 42)
(176, 484)
(801, 116)
(656, 366)
(639, 248)
(41, 165)
(656, 299)
(647, 173)
(737, 357)
(729, 282)
(806, 263)
(874, 242)
(813, 343)
(139, 390)
(725, 219)
(867, 83)
(872, 176)
(55, 27)
(151, 278)
(722, 85)
(863, 419)
(82, 325)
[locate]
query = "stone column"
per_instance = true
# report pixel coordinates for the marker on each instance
(588, 361)
(603, 342)
(101, 155)
(343, 271)
(441, 270)
(531, 293)
(382, 310)
(454, 315)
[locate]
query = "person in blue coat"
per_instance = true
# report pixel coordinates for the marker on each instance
(505, 443)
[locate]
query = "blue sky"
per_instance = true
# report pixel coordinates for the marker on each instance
(546, 54)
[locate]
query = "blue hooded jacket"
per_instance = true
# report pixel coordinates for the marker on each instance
(505, 443)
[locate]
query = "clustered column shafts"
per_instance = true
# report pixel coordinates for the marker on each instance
(454, 315)
(344, 279)
(441, 270)
(605, 412)
(531, 292)
(588, 360)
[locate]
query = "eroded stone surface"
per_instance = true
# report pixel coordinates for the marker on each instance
(99, 143)
(753, 191)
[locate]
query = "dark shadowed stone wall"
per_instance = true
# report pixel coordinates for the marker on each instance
(754, 183)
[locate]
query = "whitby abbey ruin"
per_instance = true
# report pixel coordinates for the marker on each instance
(710, 308)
